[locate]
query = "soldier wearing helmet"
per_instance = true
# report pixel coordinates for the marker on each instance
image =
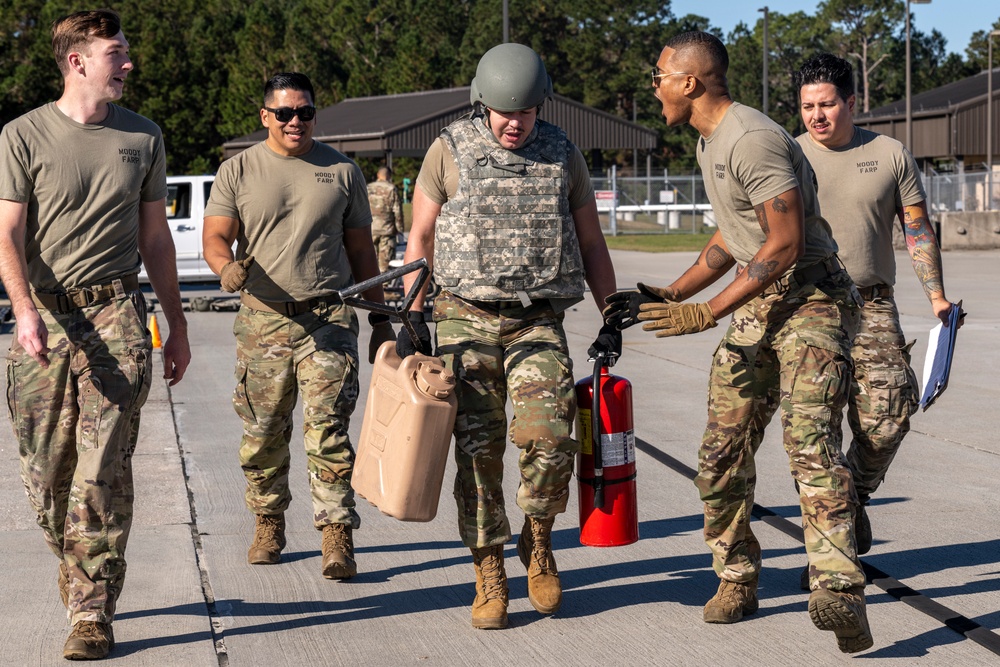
(504, 210)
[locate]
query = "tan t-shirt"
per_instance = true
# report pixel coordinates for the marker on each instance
(862, 187)
(83, 185)
(292, 213)
(748, 160)
(438, 177)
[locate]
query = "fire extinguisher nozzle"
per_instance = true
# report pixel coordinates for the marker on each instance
(598, 497)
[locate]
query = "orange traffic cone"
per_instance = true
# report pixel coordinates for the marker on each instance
(154, 331)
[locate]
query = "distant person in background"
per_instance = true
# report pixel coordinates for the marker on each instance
(387, 217)
(297, 211)
(82, 196)
(866, 182)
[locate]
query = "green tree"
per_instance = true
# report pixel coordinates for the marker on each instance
(866, 30)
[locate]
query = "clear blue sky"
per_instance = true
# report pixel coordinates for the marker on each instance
(955, 20)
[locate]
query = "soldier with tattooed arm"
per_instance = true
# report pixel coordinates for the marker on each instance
(866, 182)
(787, 345)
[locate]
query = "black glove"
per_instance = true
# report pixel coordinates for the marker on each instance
(404, 344)
(381, 333)
(622, 310)
(608, 344)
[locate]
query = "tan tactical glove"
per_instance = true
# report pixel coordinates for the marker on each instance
(381, 332)
(234, 274)
(676, 319)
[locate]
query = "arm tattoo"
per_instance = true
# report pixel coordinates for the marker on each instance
(716, 257)
(779, 205)
(761, 212)
(924, 252)
(760, 271)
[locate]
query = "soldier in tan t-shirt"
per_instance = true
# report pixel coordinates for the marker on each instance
(866, 183)
(82, 190)
(387, 217)
(786, 345)
(298, 213)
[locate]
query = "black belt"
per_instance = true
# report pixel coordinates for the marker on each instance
(875, 291)
(810, 275)
(81, 297)
(290, 308)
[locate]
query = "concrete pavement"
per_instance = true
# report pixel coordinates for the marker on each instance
(190, 598)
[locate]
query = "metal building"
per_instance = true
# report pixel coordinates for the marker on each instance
(406, 125)
(949, 123)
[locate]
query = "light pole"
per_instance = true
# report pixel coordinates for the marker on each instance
(989, 120)
(765, 86)
(909, 111)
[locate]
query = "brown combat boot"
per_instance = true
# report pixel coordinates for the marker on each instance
(534, 548)
(338, 551)
(89, 640)
(843, 613)
(64, 584)
(732, 602)
(489, 609)
(268, 539)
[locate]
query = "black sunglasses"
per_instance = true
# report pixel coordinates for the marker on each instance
(285, 114)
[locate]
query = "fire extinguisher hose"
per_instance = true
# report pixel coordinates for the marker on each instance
(595, 427)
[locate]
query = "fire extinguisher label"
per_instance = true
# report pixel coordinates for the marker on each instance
(618, 449)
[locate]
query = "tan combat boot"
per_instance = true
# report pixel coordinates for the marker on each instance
(338, 551)
(268, 539)
(489, 609)
(64, 584)
(732, 602)
(534, 548)
(89, 640)
(843, 613)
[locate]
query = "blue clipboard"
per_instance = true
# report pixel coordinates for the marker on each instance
(937, 365)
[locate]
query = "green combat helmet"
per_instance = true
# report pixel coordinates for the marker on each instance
(510, 77)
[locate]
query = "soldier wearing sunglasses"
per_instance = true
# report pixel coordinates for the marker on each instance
(298, 213)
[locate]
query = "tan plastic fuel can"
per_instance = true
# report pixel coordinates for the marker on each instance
(406, 435)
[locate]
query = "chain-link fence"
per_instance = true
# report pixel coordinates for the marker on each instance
(962, 192)
(655, 204)
(666, 204)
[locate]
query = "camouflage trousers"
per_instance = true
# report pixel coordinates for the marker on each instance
(884, 394)
(385, 250)
(789, 350)
(277, 358)
(496, 350)
(77, 423)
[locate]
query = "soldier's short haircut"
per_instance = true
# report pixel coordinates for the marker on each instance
(288, 81)
(384, 172)
(827, 68)
(708, 46)
(76, 31)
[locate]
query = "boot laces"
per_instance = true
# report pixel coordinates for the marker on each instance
(493, 584)
(734, 591)
(89, 630)
(541, 546)
(266, 534)
(335, 538)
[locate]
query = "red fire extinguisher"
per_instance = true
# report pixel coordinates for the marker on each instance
(606, 462)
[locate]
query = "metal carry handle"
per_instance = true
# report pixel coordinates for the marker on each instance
(347, 294)
(595, 427)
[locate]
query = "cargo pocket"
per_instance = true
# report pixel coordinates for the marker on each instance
(892, 392)
(241, 400)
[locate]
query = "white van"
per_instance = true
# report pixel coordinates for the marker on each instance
(186, 199)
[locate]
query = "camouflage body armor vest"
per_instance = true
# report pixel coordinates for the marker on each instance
(508, 231)
(380, 198)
